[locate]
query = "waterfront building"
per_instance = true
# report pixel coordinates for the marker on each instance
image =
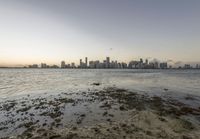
(163, 65)
(187, 66)
(62, 64)
(156, 65)
(73, 65)
(146, 62)
(43, 65)
(86, 62)
(133, 64)
(124, 65)
(33, 66)
(107, 63)
(54, 66)
(197, 66)
(81, 63)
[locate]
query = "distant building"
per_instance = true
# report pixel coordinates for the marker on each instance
(146, 62)
(43, 65)
(81, 63)
(62, 64)
(197, 66)
(163, 65)
(133, 64)
(187, 66)
(156, 65)
(124, 65)
(54, 66)
(91, 64)
(73, 65)
(86, 62)
(107, 64)
(33, 66)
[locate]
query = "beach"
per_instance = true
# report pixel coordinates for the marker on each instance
(108, 113)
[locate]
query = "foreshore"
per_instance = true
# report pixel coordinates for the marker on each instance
(109, 113)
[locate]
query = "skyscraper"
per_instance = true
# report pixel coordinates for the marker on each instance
(62, 64)
(86, 62)
(81, 63)
(107, 62)
(146, 62)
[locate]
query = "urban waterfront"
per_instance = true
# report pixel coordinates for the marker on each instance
(114, 64)
(99, 69)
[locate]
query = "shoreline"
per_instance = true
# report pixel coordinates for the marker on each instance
(108, 113)
(104, 68)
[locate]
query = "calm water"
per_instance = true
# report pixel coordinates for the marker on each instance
(17, 82)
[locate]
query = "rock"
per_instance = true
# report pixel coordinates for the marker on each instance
(97, 84)
(105, 113)
(166, 89)
(82, 115)
(55, 137)
(186, 137)
(122, 108)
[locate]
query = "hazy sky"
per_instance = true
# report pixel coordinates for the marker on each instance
(34, 31)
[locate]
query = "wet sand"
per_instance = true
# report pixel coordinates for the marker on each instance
(109, 113)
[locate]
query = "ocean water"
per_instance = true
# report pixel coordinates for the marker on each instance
(30, 87)
(19, 82)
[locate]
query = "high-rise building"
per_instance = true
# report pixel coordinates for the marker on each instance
(197, 66)
(62, 64)
(124, 65)
(187, 66)
(107, 62)
(81, 63)
(86, 62)
(146, 62)
(141, 60)
(73, 65)
(163, 65)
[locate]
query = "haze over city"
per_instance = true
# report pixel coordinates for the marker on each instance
(38, 31)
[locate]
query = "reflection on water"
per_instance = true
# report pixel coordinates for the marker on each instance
(31, 81)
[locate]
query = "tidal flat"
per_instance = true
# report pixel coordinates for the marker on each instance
(107, 113)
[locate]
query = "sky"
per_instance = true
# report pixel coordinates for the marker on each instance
(35, 31)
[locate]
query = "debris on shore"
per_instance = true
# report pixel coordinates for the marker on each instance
(111, 113)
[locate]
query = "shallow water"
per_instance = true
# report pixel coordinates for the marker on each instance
(30, 87)
(17, 82)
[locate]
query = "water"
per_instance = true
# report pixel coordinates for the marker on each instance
(30, 87)
(19, 82)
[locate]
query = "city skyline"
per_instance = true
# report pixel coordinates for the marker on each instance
(109, 63)
(172, 63)
(50, 31)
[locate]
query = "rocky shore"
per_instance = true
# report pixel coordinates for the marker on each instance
(110, 113)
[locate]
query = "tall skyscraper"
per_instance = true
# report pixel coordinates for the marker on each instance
(81, 63)
(146, 62)
(107, 62)
(86, 62)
